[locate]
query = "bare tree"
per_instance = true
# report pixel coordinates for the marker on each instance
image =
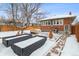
(24, 12)
(40, 14)
(12, 12)
(29, 9)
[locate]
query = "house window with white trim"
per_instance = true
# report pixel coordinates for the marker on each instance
(61, 22)
(51, 22)
(46, 22)
(57, 22)
(43, 23)
(54, 22)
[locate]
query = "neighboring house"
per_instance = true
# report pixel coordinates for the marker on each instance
(60, 23)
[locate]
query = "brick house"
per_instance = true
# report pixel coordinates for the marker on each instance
(61, 23)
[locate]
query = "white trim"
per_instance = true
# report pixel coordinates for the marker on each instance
(48, 23)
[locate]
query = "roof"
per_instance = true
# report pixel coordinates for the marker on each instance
(76, 21)
(59, 17)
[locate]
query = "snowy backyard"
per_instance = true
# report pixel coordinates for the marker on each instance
(70, 48)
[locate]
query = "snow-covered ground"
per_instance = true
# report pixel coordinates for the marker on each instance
(44, 49)
(71, 47)
(4, 51)
(47, 46)
(55, 36)
(11, 33)
(7, 51)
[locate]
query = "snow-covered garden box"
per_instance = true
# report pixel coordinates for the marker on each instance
(26, 47)
(8, 41)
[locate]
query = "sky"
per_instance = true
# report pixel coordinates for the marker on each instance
(51, 8)
(61, 8)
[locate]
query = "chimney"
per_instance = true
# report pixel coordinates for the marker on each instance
(70, 13)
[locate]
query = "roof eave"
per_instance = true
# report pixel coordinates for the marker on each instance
(59, 18)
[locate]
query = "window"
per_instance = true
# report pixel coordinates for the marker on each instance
(61, 22)
(46, 22)
(57, 22)
(41, 23)
(51, 22)
(54, 22)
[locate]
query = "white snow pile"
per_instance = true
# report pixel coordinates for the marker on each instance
(11, 33)
(71, 47)
(55, 36)
(4, 51)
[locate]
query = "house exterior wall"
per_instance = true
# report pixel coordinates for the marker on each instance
(67, 21)
(45, 28)
(60, 27)
(48, 28)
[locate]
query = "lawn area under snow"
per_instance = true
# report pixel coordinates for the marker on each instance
(11, 33)
(7, 51)
(71, 47)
